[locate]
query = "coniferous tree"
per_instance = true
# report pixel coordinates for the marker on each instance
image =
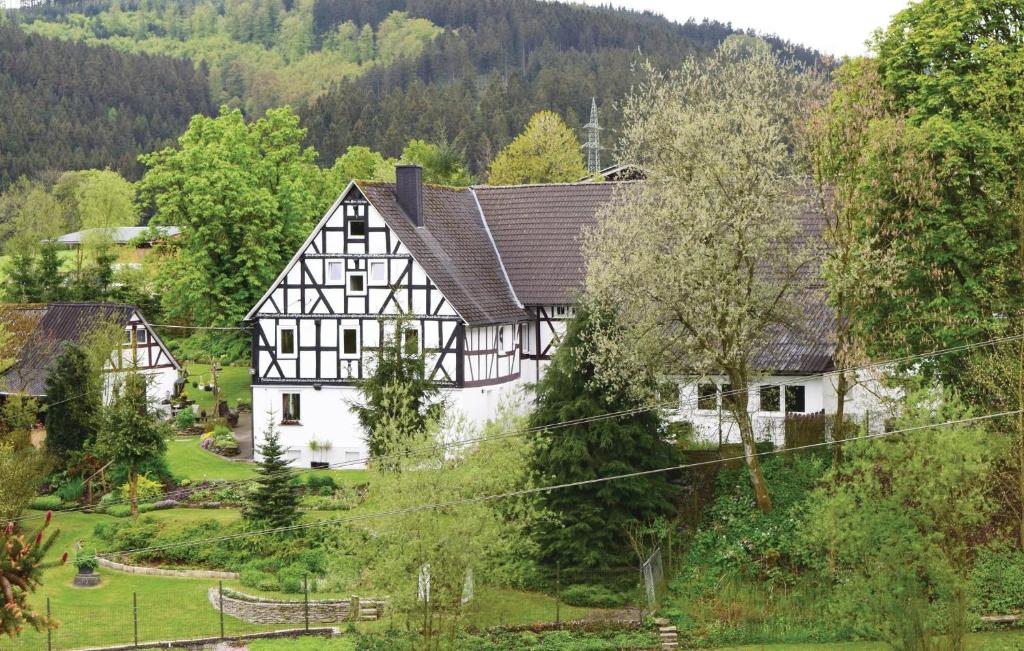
(399, 402)
(589, 523)
(274, 502)
(74, 410)
(132, 434)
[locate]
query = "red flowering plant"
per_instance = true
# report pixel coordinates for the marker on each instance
(21, 569)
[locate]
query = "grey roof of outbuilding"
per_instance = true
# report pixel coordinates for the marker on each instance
(538, 230)
(38, 333)
(454, 249)
(118, 235)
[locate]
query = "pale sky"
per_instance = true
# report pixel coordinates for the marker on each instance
(833, 27)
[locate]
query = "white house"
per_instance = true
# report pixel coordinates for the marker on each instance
(488, 276)
(39, 331)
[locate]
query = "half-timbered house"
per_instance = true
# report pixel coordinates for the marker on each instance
(39, 332)
(486, 278)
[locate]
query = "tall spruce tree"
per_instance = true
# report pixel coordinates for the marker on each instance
(73, 412)
(274, 502)
(589, 523)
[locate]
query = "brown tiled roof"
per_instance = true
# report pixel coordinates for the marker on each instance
(454, 249)
(537, 229)
(805, 346)
(38, 333)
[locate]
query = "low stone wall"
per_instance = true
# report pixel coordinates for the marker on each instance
(159, 571)
(256, 610)
(200, 643)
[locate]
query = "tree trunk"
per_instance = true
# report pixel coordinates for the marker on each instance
(133, 492)
(737, 405)
(839, 423)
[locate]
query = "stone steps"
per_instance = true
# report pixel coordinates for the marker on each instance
(668, 634)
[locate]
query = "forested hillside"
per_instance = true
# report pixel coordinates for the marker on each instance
(70, 106)
(379, 73)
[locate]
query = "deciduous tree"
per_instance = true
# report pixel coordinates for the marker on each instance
(705, 260)
(545, 152)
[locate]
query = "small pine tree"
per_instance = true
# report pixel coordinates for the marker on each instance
(21, 571)
(589, 524)
(274, 502)
(73, 415)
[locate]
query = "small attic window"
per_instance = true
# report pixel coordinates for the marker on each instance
(357, 228)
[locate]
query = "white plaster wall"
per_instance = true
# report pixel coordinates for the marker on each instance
(327, 415)
(161, 385)
(714, 425)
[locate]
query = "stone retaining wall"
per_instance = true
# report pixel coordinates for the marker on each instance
(255, 610)
(159, 571)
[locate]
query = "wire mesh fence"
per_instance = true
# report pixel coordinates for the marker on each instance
(109, 617)
(174, 609)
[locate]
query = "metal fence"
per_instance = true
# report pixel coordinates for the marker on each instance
(106, 616)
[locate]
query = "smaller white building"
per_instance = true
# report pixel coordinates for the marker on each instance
(39, 333)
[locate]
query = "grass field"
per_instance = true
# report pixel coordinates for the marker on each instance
(233, 381)
(187, 460)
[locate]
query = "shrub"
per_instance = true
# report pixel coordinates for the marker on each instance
(147, 490)
(997, 581)
(316, 482)
(165, 504)
(259, 580)
(314, 560)
(45, 503)
(119, 510)
(105, 531)
(86, 562)
(72, 490)
(594, 596)
(185, 419)
(292, 578)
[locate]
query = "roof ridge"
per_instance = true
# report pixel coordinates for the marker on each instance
(588, 184)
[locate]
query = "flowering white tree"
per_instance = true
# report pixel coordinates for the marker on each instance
(705, 261)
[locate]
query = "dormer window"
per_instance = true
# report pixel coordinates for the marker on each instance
(357, 228)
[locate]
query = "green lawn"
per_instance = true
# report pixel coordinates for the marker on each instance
(233, 381)
(304, 644)
(173, 608)
(187, 460)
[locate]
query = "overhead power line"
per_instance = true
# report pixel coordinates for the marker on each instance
(554, 487)
(458, 443)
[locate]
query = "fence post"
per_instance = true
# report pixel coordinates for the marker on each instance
(558, 594)
(135, 617)
(220, 592)
(49, 631)
(305, 590)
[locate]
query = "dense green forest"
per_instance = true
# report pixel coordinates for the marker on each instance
(68, 106)
(370, 73)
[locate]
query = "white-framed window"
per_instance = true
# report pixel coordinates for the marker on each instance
(379, 272)
(768, 397)
(356, 283)
(128, 335)
(563, 312)
(291, 411)
(352, 455)
(349, 341)
(357, 228)
(335, 272)
(141, 336)
(796, 399)
(287, 344)
(506, 342)
(411, 340)
(526, 336)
